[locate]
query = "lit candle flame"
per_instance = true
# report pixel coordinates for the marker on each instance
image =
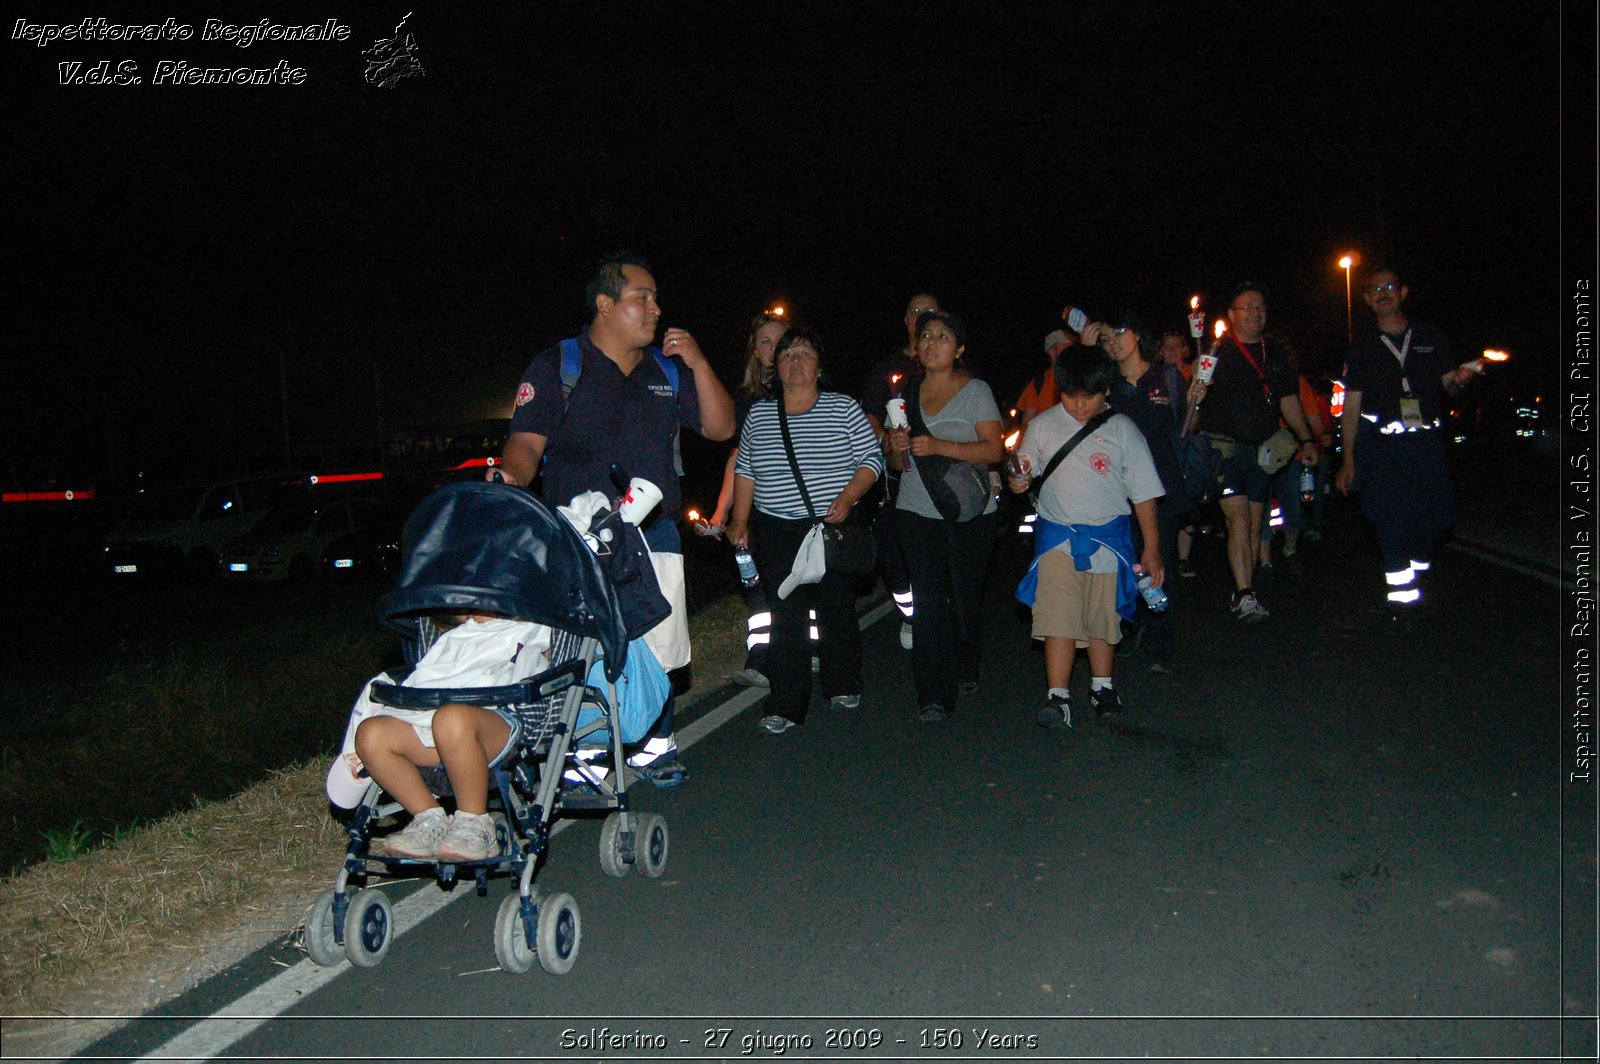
(1495, 356)
(1220, 327)
(1194, 302)
(895, 379)
(694, 515)
(1011, 440)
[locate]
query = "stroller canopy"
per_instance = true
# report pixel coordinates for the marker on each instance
(477, 546)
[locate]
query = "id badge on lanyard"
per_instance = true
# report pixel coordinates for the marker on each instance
(1410, 405)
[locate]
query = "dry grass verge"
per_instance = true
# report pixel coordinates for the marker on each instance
(126, 926)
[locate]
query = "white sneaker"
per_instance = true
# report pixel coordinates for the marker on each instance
(470, 838)
(419, 839)
(905, 634)
(750, 678)
(845, 701)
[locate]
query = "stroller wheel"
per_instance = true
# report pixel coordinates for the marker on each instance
(650, 845)
(560, 932)
(368, 928)
(612, 862)
(511, 946)
(320, 943)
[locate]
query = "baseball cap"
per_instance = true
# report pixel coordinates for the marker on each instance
(1055, 337)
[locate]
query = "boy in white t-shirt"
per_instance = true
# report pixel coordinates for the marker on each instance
(1082, 583)
(393, 745)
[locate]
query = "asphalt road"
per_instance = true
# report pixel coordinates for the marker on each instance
(1311, 838)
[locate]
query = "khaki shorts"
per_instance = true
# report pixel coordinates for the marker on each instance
(1075, 605)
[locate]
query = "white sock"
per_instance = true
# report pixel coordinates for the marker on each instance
(1060, 692)
(1098, 682)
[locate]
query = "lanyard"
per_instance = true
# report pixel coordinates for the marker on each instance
(1400, 356)
(1266, 389)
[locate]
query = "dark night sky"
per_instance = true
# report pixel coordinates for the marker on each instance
(174, 243)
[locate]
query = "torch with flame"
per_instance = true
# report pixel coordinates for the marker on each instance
(1219, 328)
(701, 526)
(1011, 440)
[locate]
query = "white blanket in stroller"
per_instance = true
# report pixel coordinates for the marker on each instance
(477, 653)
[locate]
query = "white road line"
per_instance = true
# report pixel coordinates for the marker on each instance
(1497, 558)
(211, 1037)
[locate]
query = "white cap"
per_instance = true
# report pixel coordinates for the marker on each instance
(1056, 337)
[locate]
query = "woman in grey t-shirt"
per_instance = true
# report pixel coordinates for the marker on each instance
(948, 559)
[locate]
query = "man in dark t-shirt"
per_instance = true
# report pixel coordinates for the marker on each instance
(1397, 379)
(1253, 386)
(623, 409)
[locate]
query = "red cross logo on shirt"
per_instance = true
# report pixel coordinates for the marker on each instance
(524, 394)
(1100, 463)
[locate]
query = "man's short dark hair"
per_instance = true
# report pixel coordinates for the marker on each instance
(609, 280)
(1084, 369)
(1385, 268)
(1247, 286)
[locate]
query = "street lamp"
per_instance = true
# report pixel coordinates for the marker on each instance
(1349, 319)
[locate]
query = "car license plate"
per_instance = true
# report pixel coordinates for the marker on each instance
(344, 563)
(124, 568)
(238, 567)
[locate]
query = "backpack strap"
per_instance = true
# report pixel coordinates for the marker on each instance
(572, 369)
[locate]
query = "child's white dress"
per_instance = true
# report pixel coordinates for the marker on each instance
(476, 653)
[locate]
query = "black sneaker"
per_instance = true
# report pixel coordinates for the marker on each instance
(1186, 568)
(1056, 713)
(1106, 702)
(933, 712)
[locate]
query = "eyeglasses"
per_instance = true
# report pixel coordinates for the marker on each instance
(922, 310)
(1392, 286)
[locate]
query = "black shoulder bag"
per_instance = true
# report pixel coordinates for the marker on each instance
(849, 547)
(960, 490)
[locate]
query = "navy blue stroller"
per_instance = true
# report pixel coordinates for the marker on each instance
(497, 549)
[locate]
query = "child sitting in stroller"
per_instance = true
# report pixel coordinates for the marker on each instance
(394, 745)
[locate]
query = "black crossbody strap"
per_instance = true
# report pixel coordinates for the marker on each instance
(1077, 438)
(794, 463)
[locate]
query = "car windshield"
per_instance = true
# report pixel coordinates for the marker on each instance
(284, 521)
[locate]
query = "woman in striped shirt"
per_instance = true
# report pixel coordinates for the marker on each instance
(839, 460)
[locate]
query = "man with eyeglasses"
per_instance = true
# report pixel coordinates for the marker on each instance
(1253, 386)
(1397, 378)
(888, 380)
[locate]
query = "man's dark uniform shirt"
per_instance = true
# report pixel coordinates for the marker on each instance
(1373, 370)
(610, 417)
(1241, 403)
(881, 386)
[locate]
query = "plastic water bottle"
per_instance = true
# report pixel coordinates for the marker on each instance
(747, 568)
(1154, 597)
(1308, 483)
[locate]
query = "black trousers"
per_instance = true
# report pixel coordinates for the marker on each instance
(949, 561)
(1406, 493)
(776, 540)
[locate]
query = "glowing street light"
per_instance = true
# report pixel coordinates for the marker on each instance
(1345, 263)
(776, 310)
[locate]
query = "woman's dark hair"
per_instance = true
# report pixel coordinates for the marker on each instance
(1084, 369)
(807, 336)
(953, 322)
(795, 336)
(1149, 343)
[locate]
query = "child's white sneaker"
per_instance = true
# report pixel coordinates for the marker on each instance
(419, 840)
(470, 838)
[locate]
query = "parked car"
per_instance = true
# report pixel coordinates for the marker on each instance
(290, 541)
(371, 548)
(183, 529)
